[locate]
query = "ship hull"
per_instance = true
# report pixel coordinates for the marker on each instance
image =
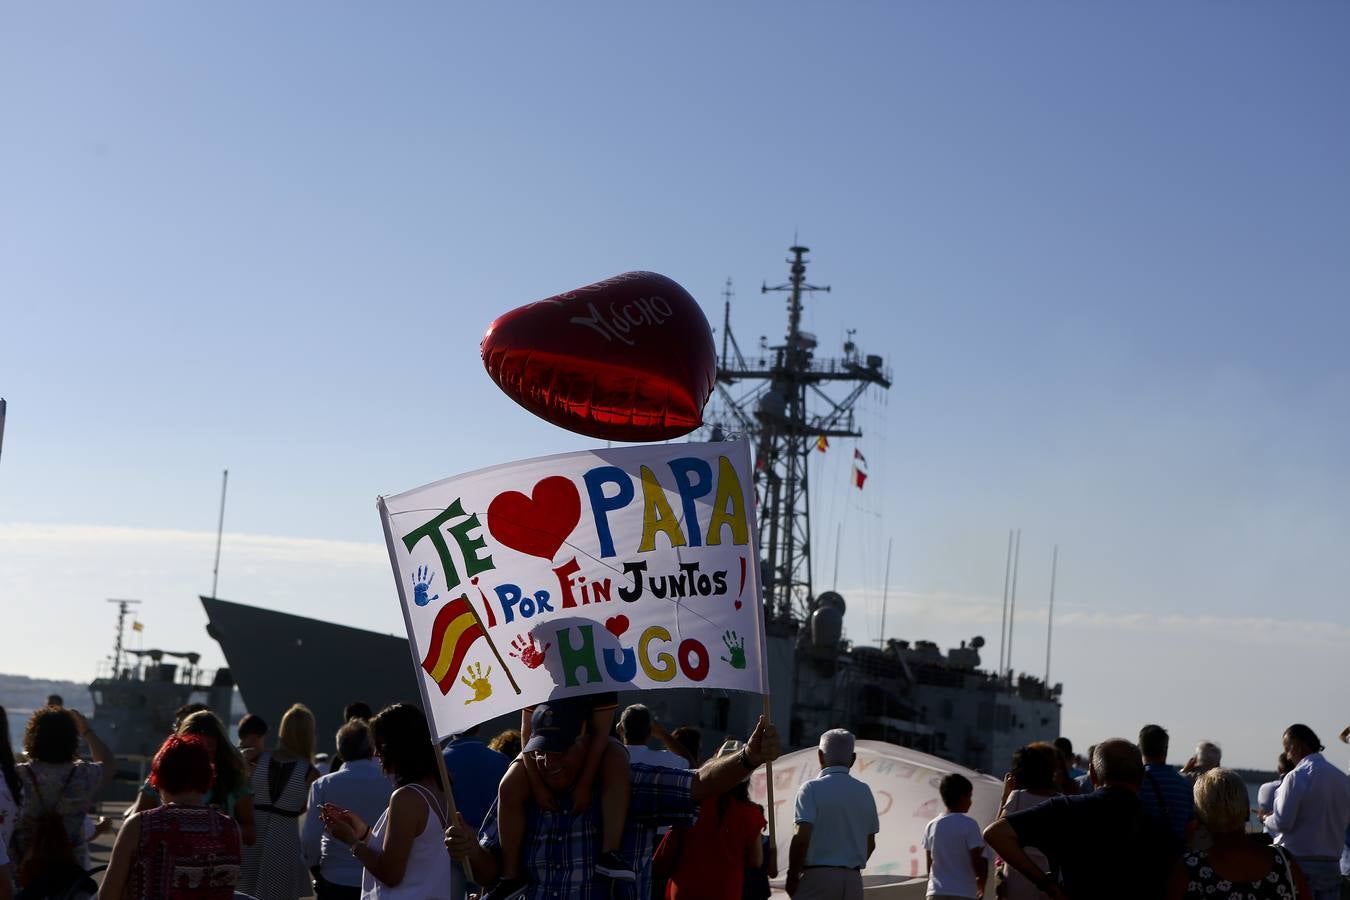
(278, 659)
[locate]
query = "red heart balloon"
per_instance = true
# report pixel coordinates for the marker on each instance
(538, 524)
(630, 358)
(616, 625)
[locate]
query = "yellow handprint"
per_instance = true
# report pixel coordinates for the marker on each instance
(477, 680)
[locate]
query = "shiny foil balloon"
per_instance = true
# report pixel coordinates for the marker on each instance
(630, 358)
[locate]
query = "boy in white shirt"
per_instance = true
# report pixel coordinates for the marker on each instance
(957, 866)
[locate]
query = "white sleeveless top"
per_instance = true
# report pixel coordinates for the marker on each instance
(430, 874)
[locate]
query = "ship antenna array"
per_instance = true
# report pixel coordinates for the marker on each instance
(729, 339)
(1050, 614)
(775, 414)
(122, 606)
(220, 530)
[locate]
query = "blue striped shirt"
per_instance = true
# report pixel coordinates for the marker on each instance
(1167, 794)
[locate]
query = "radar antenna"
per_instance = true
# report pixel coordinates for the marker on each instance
(775, 414)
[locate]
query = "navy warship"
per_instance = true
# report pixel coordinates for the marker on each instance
(912, 694)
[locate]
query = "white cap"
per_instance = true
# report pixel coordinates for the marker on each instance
(837, 746)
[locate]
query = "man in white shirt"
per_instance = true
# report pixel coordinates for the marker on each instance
(361, 786)
(1312, 812)
(635, 730)
(836, 827)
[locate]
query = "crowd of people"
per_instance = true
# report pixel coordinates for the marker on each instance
(257, 817)
(1139, 828)
(580, 803)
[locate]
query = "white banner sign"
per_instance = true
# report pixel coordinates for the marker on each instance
(606, 570)
(904, 785)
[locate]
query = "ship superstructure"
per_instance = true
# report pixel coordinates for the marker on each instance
(792, 401)
(136, 692)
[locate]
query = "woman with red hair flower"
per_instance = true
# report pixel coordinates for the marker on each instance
(182, 848)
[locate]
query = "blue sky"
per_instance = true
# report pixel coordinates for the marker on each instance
(1102, 246)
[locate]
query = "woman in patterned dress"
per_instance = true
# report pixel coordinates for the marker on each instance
(181, 849)
(1238, 866)
(274, 867)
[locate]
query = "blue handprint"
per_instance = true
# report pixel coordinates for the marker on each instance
(421, 584)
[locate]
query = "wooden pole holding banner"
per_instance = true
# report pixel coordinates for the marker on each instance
(756, 572)
(450, 801)
(768, 789)
(451, 809)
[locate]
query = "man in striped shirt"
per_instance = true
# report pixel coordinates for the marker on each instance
(1165, 793)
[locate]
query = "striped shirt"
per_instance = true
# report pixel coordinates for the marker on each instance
(561, 849)
(1167, 794)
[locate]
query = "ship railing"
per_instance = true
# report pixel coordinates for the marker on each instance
(1027, 687)
(825, 366)
(163, 672)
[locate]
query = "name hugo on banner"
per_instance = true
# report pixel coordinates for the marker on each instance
(631, 568)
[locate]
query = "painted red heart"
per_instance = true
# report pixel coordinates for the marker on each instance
(630, 358)
(616, 625)
(538, 524)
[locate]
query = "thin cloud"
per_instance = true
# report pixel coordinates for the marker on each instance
(252, 546)
(953, 609)
(59, 575)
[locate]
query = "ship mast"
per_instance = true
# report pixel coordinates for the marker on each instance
(776, 416)
(122, 606)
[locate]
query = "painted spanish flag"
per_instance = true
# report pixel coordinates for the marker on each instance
(455, 630)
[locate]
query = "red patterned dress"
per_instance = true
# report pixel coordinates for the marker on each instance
(189, 852)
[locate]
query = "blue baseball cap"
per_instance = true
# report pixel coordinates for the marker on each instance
(554, 728)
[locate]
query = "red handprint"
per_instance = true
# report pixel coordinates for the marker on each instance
(528, 653)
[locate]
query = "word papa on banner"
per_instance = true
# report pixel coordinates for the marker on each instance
(632, 568)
